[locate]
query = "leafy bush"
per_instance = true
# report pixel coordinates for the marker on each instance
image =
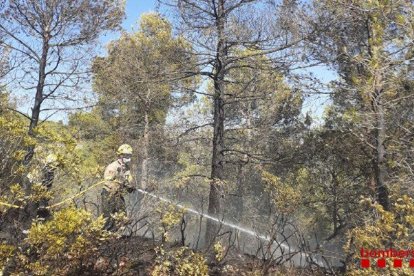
(181, 261)
(66, 244)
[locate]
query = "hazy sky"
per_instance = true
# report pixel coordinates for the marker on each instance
(134, 9)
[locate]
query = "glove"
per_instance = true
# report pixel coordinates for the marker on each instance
(131, 189)
(128, 176)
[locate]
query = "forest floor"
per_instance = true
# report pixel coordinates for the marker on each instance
(137, 256)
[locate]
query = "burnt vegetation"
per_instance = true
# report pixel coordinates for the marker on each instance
(269, 137)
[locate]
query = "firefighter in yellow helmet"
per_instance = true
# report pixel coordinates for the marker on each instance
(118, 180)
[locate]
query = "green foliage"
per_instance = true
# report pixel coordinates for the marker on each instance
(13, 143)
(97, 140)
(382, 231)
(90, 125)
(170, 216)
(181, 261)
(191, 166)
(59, 245)
(6, 253)
(141, 65)
(219, 251)
(63, 244)
(285, 197)
(256, 88)
(175, 261)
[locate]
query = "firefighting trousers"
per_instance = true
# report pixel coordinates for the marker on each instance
(111, 204)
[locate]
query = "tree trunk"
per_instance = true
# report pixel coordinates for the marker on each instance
(145, 147)
(379, 133)
(34, 119)
(334, 204)
(217, 169)
(379, 162)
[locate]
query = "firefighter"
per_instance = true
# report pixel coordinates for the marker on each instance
(118, 181)
(48, 176)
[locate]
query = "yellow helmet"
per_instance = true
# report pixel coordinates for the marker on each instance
(124, 149)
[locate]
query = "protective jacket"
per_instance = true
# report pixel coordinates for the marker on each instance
(118, 178)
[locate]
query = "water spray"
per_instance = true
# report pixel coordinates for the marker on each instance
(231, 225)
